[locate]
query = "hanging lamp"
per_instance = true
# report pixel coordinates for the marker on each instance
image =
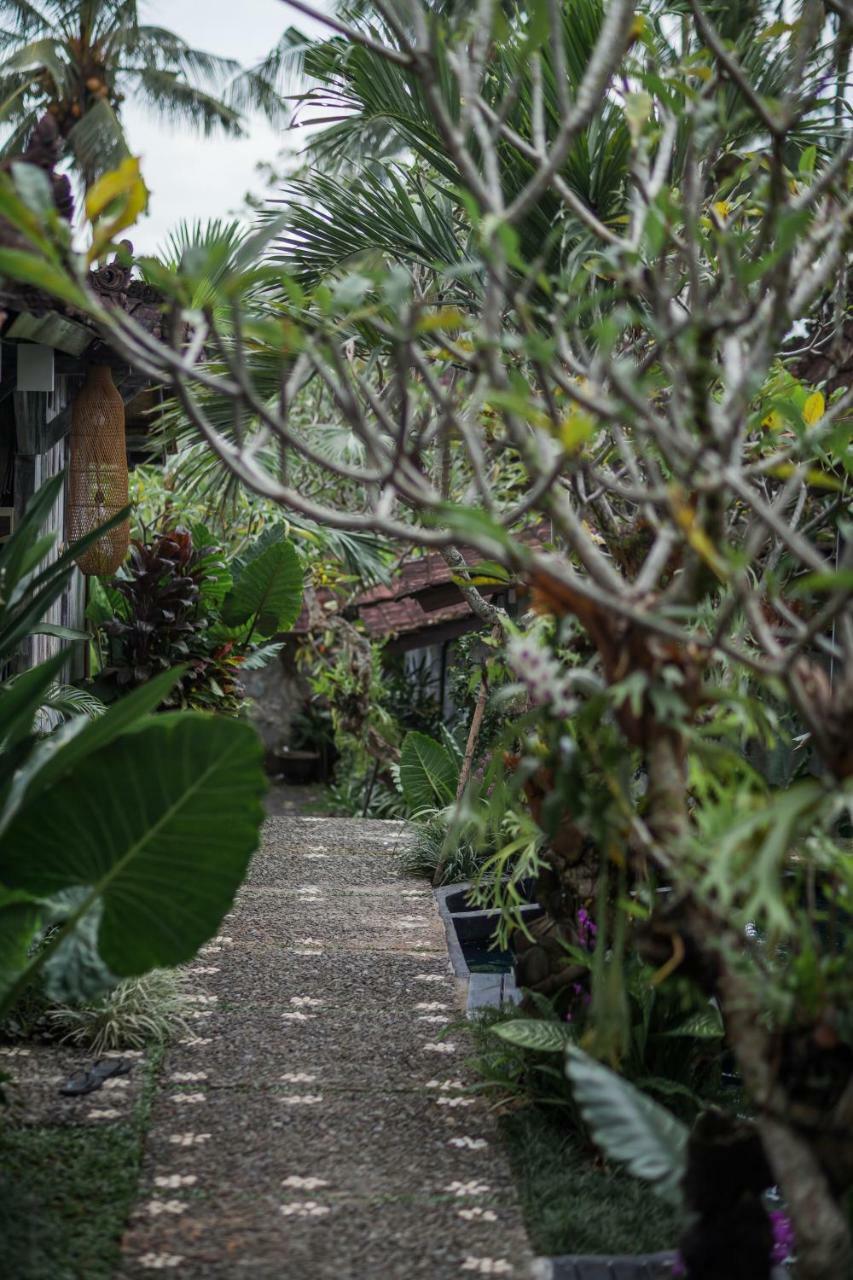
(97, 473)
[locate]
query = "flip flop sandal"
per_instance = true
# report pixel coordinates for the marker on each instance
(87, 1081)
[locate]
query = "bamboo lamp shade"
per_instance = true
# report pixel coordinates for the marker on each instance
(97, 473)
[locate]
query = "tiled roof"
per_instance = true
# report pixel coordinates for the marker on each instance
(402, 617)
(417, 575)
(395, 609)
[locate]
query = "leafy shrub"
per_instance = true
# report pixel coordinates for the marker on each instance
(144, 825)
(176, 602)
(428, 848)
(137, 1012)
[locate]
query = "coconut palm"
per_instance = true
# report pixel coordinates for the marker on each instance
(80, 59)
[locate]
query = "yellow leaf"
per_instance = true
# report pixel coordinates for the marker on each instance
(121, 193)
(686, 519)
(575, 429)
(814, 408)
(443, 318)
(774, 421)
(722, 209)
(112, 185)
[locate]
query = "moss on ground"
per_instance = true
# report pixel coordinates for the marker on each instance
(66, 1192)
(573, 1204)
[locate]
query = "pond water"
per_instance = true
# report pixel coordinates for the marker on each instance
(482, 957)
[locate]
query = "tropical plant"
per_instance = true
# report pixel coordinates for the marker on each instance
(429, 774)
(80, 60)
(136, 1013)
(144, 825)
(661, 378)
(176, 603)
(654, 1145)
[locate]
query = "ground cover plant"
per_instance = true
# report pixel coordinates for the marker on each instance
(598, 274)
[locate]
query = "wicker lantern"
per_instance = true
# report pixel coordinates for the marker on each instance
(97, 475)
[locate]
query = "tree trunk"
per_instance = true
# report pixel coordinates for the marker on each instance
(820, 1225)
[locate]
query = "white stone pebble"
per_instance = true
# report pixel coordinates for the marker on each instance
(188, 1139)
(488, 1266)
(156, 1207)
(305, 1209)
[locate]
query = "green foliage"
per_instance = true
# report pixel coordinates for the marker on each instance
(428, 774)
(430, 842)
(144, 825)
(191, 802)
(267, 593)
(628, 1125)
(137, 1013)
(575, 1205)
(536, 1034)
(176, 601)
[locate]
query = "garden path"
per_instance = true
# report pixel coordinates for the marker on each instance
(315, 1124)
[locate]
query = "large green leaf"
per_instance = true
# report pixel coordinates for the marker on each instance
(159, 828)
(20, 919)
(628, 1126)
(705, 1024)
(57, 755)
(21, 697)
(267, 592)
(74, 971)
(537, 1034)
(428, 776)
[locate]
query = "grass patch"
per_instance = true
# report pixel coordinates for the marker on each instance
(66, 1192)
(571, 1203)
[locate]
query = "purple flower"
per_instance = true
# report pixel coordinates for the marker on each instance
(587, 929)
(783, 1242)
(783, 1236)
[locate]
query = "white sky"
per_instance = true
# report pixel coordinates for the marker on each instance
(190, 176)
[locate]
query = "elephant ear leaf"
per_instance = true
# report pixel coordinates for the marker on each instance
(428, 775)
(628, 1126)
(267, 593)
(156, 829)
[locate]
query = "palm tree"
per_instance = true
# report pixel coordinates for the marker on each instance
(80, 59)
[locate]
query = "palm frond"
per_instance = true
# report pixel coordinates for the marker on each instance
(251, 91)
(150, 46)
(44, 55)
(98, 141)
(69, 701)
(24, 123)
(397, 215)
(25, 19)
(174, 100)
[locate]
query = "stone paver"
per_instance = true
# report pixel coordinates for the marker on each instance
(318, 1121)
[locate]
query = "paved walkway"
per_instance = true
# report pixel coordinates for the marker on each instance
(315, 1125)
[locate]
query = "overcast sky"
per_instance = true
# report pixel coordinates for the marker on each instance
(191, 176)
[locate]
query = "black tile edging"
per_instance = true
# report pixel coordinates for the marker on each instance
(457, 959)
(649, 1266)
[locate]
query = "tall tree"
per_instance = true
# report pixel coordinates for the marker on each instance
(80, 60)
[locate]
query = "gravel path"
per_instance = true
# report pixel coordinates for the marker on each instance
(315, 1124)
